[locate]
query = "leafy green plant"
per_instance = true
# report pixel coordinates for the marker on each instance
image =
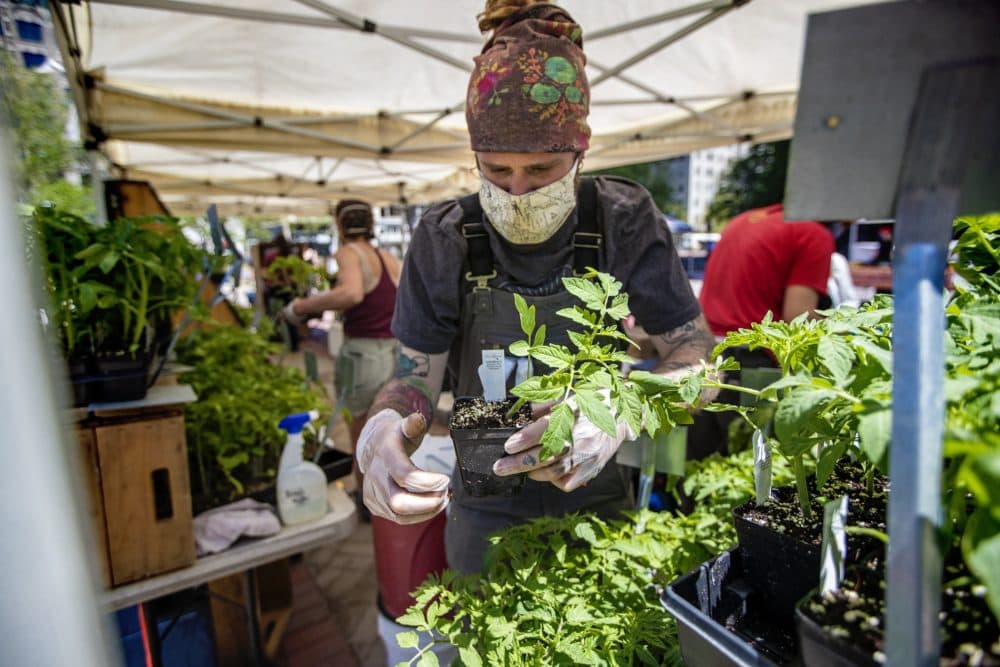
(835, 389)
(233, 437)
(573, 590)
(972, 400)
(295, 276)
(590, 376)
(112, 286)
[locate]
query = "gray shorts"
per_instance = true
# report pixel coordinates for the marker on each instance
(363, 366)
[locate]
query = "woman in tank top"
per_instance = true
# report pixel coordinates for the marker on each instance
(365, 292)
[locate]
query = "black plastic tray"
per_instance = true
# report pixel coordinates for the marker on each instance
(717, 621)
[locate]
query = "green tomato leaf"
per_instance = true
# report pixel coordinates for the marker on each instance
(559, 431)
(836, 355)
(981, 547)
(875, 431)
(585, 290)
(470, 657)
(526, 313)
(594, 409)
(519, 348)
(585, 531)
(795, 411)
(828, 458)
(429, 659)
(407, 640)
(539, 388)
(539, 336)
(578, 315)
(555, 357)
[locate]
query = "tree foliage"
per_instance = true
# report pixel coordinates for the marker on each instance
(750, 182)
(654, 180)
(36, 110)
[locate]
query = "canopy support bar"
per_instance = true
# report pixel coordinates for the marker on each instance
(392, 35)
(662, 44)
(659, 18)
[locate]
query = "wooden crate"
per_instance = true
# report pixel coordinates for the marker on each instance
(140, 492)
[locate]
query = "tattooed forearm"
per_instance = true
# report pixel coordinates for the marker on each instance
(418, 364)
(405, 396)
(689, 342)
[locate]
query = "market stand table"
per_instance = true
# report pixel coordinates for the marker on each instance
(241, 558)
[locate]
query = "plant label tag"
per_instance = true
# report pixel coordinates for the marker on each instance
(761, 467)
(834, 548)
(492, 376)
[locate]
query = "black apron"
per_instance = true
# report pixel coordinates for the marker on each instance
(490, 321)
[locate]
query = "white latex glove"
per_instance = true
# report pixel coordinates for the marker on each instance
(394, 488)
(579, 463)
(288, 312)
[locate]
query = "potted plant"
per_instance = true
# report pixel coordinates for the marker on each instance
(970, 596)
(587, 377)
(112, 290)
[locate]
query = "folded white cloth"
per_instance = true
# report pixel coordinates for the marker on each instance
(216, 529)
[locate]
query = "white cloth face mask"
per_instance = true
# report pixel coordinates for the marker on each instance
(534, 216)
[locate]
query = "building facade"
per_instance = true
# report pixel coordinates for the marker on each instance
(695, 178)
(26, 33)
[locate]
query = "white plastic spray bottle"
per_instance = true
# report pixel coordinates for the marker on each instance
(301, 484)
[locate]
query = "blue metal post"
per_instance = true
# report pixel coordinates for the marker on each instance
(914, 568)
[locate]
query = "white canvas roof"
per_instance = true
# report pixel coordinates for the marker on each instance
(290, 104)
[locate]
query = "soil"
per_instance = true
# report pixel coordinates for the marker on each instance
(854, 615)
(474, 412)
(864, 508)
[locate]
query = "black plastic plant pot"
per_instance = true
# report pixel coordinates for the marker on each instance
(478, 431)
(719, 619)
(122, 378)
(819, 648)
(82, 380)
(782, 567)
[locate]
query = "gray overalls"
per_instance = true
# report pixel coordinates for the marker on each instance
(490, 320)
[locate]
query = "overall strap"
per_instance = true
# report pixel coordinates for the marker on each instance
(479, 254)
(588, 241)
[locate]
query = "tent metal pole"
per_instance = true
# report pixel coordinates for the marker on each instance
(333, 168)
(663, 43)
(368, 26)
(426, 126)
(665, 99)
(228, 12)
(276, 17)
(658, 18)
(125, 130)
(251, 121)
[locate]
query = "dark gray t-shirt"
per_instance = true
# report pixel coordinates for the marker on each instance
(639, 252)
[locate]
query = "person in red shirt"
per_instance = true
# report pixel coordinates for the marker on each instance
(765, 263)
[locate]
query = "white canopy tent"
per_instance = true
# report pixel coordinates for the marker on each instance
(287, 105)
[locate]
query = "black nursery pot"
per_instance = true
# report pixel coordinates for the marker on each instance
(122, 378)
(819, 648)
(82, 380)
(782, 567)
(478, 432)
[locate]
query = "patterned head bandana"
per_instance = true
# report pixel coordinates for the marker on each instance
(528, 92)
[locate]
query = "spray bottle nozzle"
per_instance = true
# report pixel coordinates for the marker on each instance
(294, 423)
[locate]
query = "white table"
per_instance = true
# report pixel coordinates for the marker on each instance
(245, 555)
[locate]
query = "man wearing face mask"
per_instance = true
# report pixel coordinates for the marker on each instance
(533, 222)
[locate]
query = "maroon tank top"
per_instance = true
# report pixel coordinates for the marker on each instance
(372, 317)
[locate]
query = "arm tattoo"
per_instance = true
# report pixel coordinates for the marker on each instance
(693, 334)
(419, 365)
(686, 346)
(405, 396)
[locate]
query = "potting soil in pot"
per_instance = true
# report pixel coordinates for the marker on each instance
(780, 550)
(847, 627)
(479, 430)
